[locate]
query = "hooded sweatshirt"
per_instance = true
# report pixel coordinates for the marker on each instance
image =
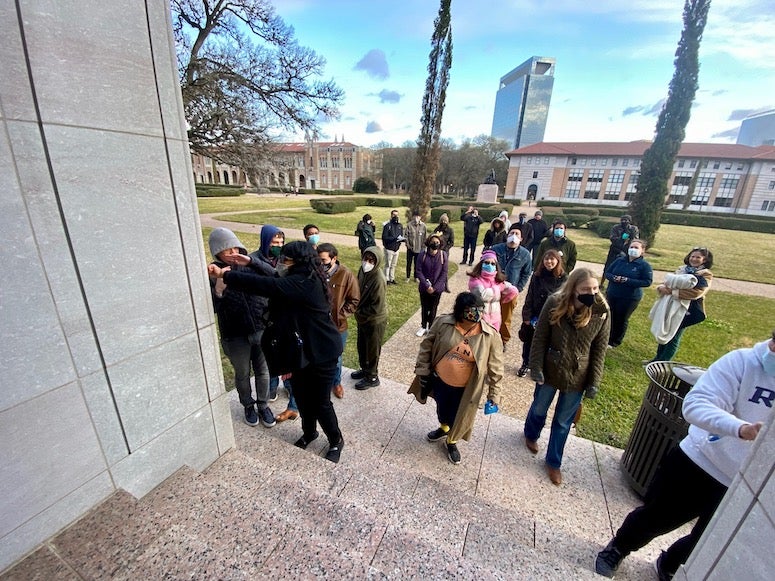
(264, 254)
(373, 305)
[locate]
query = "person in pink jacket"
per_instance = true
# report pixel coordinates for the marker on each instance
(489, 282)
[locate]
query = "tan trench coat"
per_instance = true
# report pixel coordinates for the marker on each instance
(487, 350)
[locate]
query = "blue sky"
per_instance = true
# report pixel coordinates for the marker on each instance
(614, 63)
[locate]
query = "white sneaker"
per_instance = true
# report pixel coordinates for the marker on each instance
(420, 332)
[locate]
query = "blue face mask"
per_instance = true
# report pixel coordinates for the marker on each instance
(768, 362)
(490, 268)
(314, 239)
(559, 232)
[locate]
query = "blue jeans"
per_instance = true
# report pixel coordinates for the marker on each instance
(667, 351)
(274, 383)
(338, 376)
(564, 412)
(244, 353)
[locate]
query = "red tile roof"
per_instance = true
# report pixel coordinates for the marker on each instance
(637, 148)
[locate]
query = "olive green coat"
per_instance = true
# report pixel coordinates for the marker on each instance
(570, 359)
(487, 349)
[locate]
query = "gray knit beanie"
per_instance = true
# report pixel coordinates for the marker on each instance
(222, 239)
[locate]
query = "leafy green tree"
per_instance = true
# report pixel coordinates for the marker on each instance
(364, 185)
(426, 163)
(244, 79)
(658, 160)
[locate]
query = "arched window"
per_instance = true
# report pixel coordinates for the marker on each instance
(225, 177)
(532, 192)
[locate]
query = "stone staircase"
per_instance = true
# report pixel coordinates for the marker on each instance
(393, 508)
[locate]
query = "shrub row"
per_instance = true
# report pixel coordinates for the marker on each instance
(216, 190)
(333, 206)
(342, 205)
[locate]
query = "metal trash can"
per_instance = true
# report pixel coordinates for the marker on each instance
(660, 424)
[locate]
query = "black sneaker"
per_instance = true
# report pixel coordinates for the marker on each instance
(436, 435)
(273, 395)
(303, 442)
(335, 451)
(267, 417)
(522, 371)
(453, 453)
(367, 383)
(608, 560)
(663, 574)
(251, 417)
(360, 374)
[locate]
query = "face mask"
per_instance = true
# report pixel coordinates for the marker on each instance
(624, 223)
(489, 268)
(367, 266)
(275, 251)
(472, 314)
(513, 239)
(314, 239)
(559, 232)
(394, 219)
(587, 299)
(327, 267)
(634, 252)
(434, 246)
(768, 362)
(282, 270)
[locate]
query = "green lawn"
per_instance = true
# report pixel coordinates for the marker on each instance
(242, 203)
(733, 320)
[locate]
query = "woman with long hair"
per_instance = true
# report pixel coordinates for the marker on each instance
(489, 282)
(546, 280)
(299, 299)
(697, 263)
(566, 357)
(431, 272)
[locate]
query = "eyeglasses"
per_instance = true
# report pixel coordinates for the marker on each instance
(488, 262)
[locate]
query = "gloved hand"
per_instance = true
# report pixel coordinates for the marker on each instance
(591, 392)
(537, 376)
(490, 408)
(625, 236)
(425, 385)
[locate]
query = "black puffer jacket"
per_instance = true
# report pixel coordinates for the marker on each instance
(298, 301)
(240, 314)
(541, 286)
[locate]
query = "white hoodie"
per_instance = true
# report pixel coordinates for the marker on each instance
(734, 391)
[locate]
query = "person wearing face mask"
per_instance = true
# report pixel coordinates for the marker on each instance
(726, 409)
(365, 233)
(627, 277)
(566, 358)
(371, 316)
(460, 354)
(416, 233)
(445, 233)
(622, 235)
(495, 234)
(540, 230)
(514, 260)
(345, 296)
(697, 263)
(526, 229)
(432, 266)
(392, 237)
(471, 222)
(299, 300)
(558, 240)
(312, 234)
(489, 282)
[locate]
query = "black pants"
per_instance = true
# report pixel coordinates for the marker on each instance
(312, 390)
(680, 492)
(429, 304)
(621, 309)
(370, 346)
(469, 244)
(411, 259)
(447, 400)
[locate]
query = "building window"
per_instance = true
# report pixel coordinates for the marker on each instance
(728, 165)
(593, 161)
(348, 162)
(740, 166)
(726, 190)
(574, 160)
(528, 160)
(335, 162)
(573, 187)
(613, 186)
(576, 175)
(583, 161)
(772, 185)
(680, 186)
(347, 181)
(594, 181)
(632, 186)
(322, 161)
(615, 162)
(681, 163)
(535, 175)
(625, 162)
(716, 164)
(693, 164)
(768, 206)
(546, 161)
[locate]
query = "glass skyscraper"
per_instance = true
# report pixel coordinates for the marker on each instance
(522, 102)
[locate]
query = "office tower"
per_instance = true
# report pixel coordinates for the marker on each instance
(522, 102)
(758, 129)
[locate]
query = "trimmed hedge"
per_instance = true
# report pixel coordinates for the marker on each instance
(333, 206)
(342, 205)
(217, 190)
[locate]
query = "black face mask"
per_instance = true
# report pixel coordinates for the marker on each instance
(394, 219)
(434, 246)
(586, 299)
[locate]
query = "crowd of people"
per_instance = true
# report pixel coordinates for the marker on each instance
(568, 322)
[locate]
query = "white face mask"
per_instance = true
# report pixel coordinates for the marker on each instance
(367, 266)
(513, 239)
(282, 269)
(634, 252)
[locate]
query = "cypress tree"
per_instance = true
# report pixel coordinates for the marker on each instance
(657, 165)
(426, 163)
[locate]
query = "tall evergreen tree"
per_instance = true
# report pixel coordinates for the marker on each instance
(658, 160)
(426, 164)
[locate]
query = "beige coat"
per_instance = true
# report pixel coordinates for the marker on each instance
(487, 350)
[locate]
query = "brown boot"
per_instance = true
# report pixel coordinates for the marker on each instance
(554, 475)
(286, 415)
(531, 445)
(339, 391)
